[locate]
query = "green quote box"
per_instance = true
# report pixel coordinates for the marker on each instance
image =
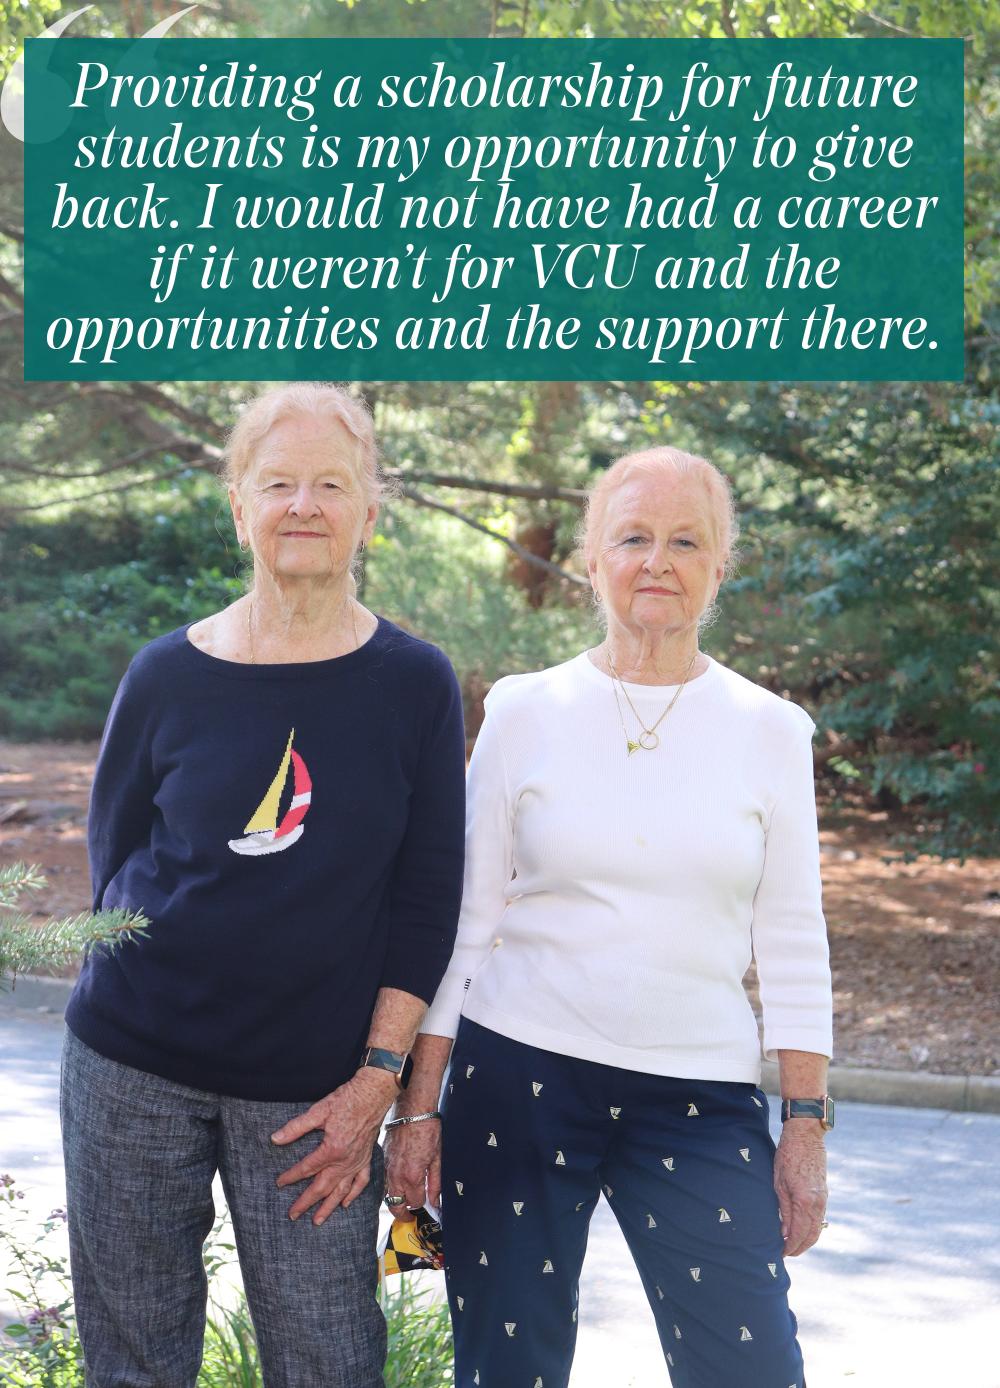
(471, 209)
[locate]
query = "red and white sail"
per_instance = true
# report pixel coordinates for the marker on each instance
(263, 833)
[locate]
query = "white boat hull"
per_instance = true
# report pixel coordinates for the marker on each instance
(254, 845)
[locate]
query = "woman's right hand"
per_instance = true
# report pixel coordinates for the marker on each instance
(413, 1166)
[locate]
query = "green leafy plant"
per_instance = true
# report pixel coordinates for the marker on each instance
(44, 1348)
(420, 1344)
(41, 1348)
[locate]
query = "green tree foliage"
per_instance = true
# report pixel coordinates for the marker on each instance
(872, 525)
(83, 592)
(20, 21)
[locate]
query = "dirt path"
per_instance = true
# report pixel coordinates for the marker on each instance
(915, 947)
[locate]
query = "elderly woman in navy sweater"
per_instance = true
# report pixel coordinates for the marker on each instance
(280, 789)
(641, 824)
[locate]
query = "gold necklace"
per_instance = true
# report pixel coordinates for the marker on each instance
(354, 625)
(649, 738)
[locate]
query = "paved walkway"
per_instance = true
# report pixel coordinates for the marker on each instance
(903, 1292)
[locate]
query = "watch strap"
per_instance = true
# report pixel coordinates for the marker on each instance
(822, 1108)
(398, 1063)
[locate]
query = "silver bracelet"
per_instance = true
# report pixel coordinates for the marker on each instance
(414, 1118)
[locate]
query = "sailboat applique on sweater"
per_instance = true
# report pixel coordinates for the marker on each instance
(263, 833)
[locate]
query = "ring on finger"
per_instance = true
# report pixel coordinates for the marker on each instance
(393, 1200)
(825, 1224)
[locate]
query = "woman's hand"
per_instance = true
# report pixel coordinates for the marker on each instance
(800, 1183)
(413, 1150)
(413, 1165)
(349, 1119)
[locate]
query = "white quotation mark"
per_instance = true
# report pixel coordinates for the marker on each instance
(12, 93)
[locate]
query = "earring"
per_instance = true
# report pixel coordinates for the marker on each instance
(362, 547)
(244, 544)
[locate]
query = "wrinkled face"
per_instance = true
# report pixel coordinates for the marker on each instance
(657, 564)
(303, 505)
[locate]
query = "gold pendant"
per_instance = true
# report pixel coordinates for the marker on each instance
(649, 740)
(632, 746)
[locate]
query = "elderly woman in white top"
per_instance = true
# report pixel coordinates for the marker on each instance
(641, 825)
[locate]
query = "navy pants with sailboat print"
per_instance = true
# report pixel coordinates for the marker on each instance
(531, 1139)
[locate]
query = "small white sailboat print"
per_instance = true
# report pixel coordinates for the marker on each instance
(536, 1088)
(773, 1269)
(460, 1302)
(510, 1327)
(560, 1159)
(263, 833)
(692, 1111)
(745, 1153)
(615, 1112)
(745, 1333)
(695, 1274)
(668, 1162)
(518, 1206)
(491, 1141)
(547, 1266)
(724, 1216)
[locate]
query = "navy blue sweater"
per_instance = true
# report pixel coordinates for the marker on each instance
(295, 835)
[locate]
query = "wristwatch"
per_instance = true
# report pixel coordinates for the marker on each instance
(809, 1108)
(398, 1063)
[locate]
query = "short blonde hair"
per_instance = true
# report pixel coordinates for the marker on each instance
(653, 460)
(319, 398)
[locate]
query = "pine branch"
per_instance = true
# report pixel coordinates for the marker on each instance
(528, 490)
(522, 553)
(26, 947)
(99, 491)
(51, 471)
(18, 878)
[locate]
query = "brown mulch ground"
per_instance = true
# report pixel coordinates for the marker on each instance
(915, 946)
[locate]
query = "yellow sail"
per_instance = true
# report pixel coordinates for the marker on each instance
(265, 816)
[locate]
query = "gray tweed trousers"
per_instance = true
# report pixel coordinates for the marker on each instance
(141, 1153)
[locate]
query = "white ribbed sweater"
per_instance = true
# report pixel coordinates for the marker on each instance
(613, 903)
